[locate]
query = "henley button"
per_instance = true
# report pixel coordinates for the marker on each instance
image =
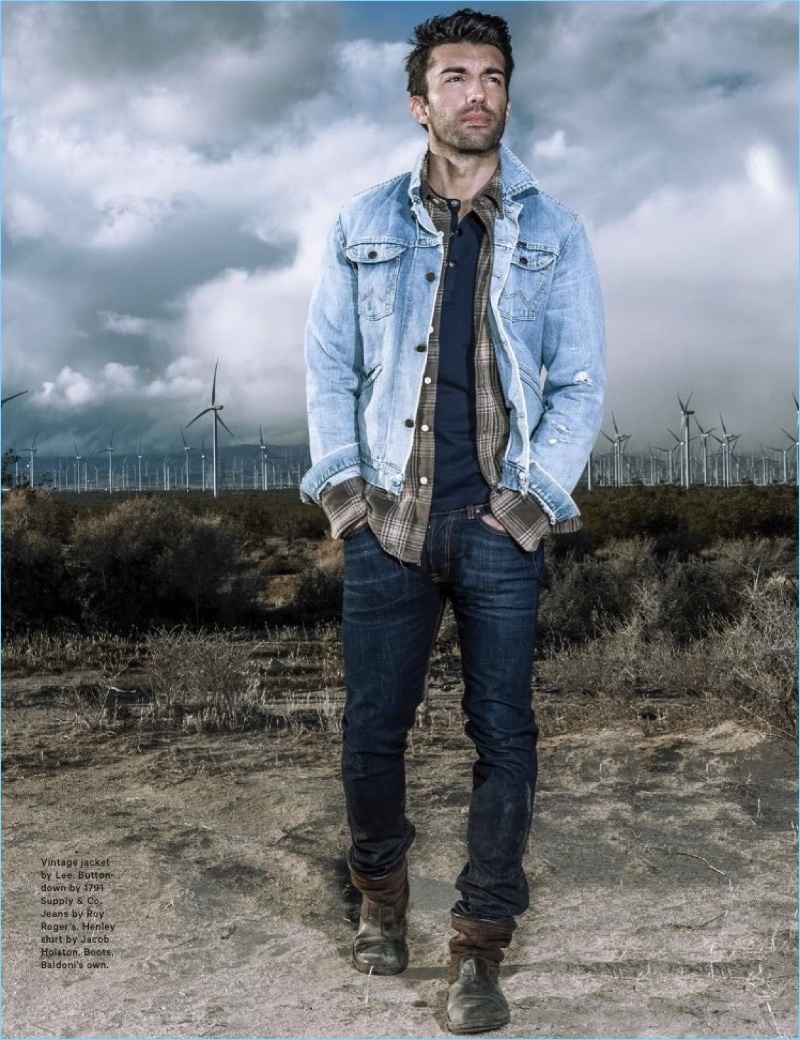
(409, 423)
(451, 263)
(423, 480)
(430, 276)
(425, 428)
(427, 379)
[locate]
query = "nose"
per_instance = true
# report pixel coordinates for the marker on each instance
(476, 92)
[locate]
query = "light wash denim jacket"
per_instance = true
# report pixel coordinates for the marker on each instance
(370, 319)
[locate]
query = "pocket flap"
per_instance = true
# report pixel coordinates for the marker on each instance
(374, 252)
(533, 257)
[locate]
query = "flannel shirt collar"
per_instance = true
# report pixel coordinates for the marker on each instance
(492, 190)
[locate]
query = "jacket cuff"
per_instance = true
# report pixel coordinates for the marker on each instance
(344, 505)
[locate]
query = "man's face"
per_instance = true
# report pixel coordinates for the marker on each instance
(467, 107)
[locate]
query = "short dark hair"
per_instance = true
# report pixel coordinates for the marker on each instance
(464, 26)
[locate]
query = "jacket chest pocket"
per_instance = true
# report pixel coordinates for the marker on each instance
(528, 280)
(377, 271)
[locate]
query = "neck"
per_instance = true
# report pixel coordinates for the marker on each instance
(461, 176)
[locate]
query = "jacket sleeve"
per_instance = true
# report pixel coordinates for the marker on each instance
(334, 363)
(573, 353)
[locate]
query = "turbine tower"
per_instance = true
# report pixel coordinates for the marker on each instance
(794, 444)
(32, 451)
(110, 450)
(139, 466)
(705, 434)
(727, 442)
(618, 442)
(686, 475)
(263, 448)
(186, 449)
(216, 409)
(77, 467)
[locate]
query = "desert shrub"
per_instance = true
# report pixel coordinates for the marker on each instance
(693, 596)
(35, 585)
(320, 584)
(583, 593)
(148, 562)
(746, 665)
(687, 519)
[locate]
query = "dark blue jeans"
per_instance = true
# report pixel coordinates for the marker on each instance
(392, 613)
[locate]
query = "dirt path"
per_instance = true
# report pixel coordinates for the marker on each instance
(663, 870)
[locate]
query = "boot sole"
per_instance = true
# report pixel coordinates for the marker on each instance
(375, 969)
(481, 1027)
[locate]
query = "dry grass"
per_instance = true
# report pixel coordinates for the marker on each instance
(720, 628)
(749, 662)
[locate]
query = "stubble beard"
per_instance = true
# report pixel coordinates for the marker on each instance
(475, 141)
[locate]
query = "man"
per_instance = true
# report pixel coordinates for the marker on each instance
(442, 461)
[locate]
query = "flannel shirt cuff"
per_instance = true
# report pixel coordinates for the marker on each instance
(525, 520)
(344, 505)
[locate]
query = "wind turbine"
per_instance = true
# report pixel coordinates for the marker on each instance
(166, 469)
(216, 409)
(139, 465)
(705, 434)
(727, 442)
(794, 444)
(32, 451)
(187, 449)
(77, 467)
(618, 441)
(785, 464)
(686, 476)
(12, 396)
(263, 448)
(110, 450)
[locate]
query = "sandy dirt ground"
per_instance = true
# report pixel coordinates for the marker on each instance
(662, 866)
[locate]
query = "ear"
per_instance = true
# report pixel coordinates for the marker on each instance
(508, 111)
(419, 109)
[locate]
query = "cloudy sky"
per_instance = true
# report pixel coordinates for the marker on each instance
(170, 171)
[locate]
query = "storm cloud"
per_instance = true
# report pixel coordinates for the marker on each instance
(170, 171)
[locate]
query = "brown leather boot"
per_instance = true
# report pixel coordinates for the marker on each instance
(380, 943)
(475, 1002)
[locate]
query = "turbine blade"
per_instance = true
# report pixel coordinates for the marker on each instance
(200, 416)
(214, 385)
(222, 423)
(12, 396)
